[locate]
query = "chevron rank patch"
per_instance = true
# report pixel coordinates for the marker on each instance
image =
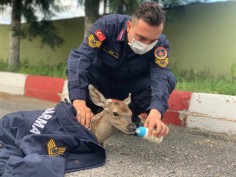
(162, 62)
(53, 150)
(160, 53)
(92, 42)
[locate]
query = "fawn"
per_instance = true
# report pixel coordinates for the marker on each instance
(116, 115)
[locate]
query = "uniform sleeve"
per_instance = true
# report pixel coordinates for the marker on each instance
(35, 165)
(160, 74)
(79, 60)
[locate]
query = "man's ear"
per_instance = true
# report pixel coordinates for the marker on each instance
(128, 24)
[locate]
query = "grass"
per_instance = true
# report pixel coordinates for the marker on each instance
(206, 83)
(3, 66)
(191, 81)
(42, 69)
(211, 85)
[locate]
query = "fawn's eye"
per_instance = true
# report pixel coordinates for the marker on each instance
(115, 114)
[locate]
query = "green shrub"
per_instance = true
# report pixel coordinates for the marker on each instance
(204, 82)
(42, 69)
(3, 65)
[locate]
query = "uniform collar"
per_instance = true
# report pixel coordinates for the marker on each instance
(122, 34)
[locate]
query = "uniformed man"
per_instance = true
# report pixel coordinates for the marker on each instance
(123, 55)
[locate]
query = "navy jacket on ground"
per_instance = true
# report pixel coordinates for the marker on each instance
(106, 48)
(46, 143)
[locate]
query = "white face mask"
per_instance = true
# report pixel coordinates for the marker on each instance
(141, 48)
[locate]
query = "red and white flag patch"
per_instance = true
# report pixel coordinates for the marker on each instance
(100, 35)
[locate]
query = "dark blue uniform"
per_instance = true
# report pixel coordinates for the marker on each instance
(105, 60)
(46, 143)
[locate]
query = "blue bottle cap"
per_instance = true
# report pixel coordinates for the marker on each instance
(141, 131)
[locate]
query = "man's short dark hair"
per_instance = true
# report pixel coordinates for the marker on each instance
(150, 12)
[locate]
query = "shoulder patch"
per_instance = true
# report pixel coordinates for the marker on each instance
(53, 150)
(100, 35)
(162, 62)
(92, 42)
(160, 53)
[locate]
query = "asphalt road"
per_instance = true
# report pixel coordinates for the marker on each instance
(183, 153)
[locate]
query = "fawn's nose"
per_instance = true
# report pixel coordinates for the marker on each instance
(131, 127)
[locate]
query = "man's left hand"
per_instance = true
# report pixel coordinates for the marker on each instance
(154, 123)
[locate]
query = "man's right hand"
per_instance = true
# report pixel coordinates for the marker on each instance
(84, 113)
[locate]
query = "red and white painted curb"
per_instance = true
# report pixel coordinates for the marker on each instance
(210, 112)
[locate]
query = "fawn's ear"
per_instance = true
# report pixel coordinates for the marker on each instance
(128, 99)
(97, 97)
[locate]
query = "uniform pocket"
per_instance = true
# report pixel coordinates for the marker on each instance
(138, 66)
(110, 58)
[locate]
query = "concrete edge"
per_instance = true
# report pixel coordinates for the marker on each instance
(44, 87)
(212, 112)
(12, 83)
(220, 116)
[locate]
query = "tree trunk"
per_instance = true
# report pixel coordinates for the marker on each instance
(120, 6)
(104, 6)
(14, 36)
(91, 14)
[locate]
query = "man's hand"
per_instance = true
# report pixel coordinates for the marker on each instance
(154, 122)
(84, 113)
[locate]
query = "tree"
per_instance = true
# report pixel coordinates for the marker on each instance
(128, 6)
(91, 13)
(123, 6)
(43, 28)
(115, 6)
(170, 3)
